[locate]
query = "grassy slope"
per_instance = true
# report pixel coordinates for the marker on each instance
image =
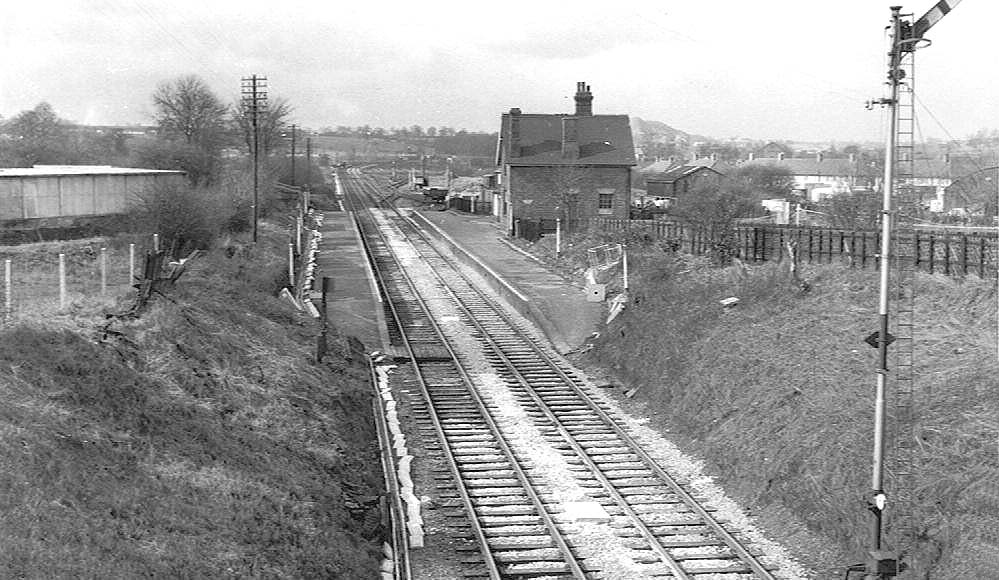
(200, 442)
(777, 393)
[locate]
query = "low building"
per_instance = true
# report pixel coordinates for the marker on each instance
(679, 180)
(564, 165)
(63, 192)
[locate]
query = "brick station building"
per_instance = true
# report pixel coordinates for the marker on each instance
(567, 166)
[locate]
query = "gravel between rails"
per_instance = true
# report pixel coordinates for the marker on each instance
(596, 542)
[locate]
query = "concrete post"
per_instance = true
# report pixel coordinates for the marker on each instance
(104, 271)
(62, 281)
(7, 293)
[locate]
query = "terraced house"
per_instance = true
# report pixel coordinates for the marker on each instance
(566, 166)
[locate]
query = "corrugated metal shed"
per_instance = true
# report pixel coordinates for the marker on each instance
(67, 191)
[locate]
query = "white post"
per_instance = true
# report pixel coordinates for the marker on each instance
(624, 265)
(473, 205)
(558, 237)
(291, 265)
(131, 264)
(62, 281)
(298, 231)
(104, 271)
(7, 293)
(156, 242)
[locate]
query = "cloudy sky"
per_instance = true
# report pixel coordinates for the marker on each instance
(781, 69)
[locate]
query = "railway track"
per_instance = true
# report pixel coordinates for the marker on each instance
(513, 516)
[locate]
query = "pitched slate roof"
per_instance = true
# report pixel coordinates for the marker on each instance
(678, 172)
(657, 167)
(602, 140)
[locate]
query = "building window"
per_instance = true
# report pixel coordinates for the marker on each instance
(605, 201)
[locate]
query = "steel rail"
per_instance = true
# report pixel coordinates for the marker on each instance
(554, 532)
(730, 541)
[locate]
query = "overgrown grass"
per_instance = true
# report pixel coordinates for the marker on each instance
(35, 273)
(199, 440)
(777, 393)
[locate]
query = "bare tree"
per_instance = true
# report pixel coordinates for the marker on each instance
(187, 108)
(568, 182)
(270, 123)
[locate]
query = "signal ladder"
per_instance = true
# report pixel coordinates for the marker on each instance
(908, 205)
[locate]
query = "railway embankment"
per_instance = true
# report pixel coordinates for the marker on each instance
(197, 440)
(775, 394)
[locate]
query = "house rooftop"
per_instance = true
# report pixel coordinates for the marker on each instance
(538, 139)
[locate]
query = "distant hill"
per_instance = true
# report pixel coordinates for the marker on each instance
(645, 132)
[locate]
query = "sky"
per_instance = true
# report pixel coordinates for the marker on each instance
(771, 69)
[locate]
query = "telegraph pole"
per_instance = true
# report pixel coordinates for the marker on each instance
(293, 155)
(308, 162)
(254, 102)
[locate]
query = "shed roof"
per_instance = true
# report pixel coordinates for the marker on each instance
(602, 140)
(679, 172)
(64, 170)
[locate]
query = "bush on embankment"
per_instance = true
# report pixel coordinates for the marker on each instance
(196, 441)
(777, 394)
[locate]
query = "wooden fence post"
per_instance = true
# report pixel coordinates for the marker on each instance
(558, 237)
(933, 252)
(964, 254)
(981, 258)
(62, 281)
(321, 339)
(156, 242)
(291, 264)
(863, 250)
(131, 264)
(947, 254)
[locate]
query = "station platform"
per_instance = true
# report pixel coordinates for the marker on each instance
(556, 306)
(353, 307)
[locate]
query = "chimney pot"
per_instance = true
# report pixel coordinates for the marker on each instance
(584, 100)
(515, 111)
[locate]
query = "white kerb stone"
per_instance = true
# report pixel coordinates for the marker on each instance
(586, 511)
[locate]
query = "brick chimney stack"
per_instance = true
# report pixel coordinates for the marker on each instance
(584, 100)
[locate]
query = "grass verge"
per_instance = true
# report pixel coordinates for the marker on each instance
(777, 394)
(199, 440)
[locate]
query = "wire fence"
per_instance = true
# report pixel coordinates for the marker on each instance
(48, 281)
